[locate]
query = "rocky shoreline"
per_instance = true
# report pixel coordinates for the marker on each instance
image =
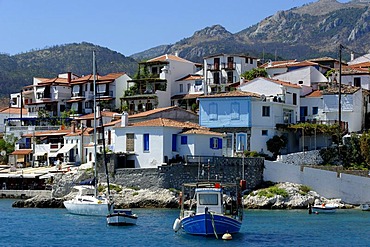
(279, 196)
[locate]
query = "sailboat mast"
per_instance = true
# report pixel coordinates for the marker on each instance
(95, 148)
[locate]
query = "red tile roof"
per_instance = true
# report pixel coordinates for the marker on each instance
(165, 122)
(190, 78)
(14, 110)
(99, 79)
(316, 93)
(60, 132)
(151, 112)
(201, 132)
(277, 64)
(91, 115)
(166, 57)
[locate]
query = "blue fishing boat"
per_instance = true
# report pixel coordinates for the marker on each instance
(216, 209)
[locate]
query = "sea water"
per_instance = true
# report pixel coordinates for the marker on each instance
(56, 227)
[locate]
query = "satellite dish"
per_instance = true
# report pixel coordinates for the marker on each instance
(263, 97)
(3, 153)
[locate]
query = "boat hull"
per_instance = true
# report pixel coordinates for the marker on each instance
(121, 218)
(365, 207)
(208, 224)
(320, 209)
(84, 208)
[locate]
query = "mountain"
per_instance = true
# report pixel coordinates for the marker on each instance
(18, 70)
(312, 30)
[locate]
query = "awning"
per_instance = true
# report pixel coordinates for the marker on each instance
(52, 155)
(22, 151)
(40, 153)
(66, 148)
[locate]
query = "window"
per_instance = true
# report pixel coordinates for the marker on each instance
(241, 142)
(188, 87)
(300, 82)
(181, 88)
(174, 142)
(265, 111)
(130, 142)
(215, 143)
(264, 132)
(213, 111)
(146, 142)
(230, 77)
(208, 199)
(235, 111)
(357, 81)
(216, 78)
(315, 110)
(251, 60)
(294, 99)
(184, 140)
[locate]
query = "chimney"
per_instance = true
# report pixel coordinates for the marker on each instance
(69, 77)
(124, 119)
(73, 126)
(352, 56)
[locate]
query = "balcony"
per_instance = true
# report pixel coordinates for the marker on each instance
(229, 66)
(213, 67)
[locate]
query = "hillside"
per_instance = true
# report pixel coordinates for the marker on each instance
(18, 70)
(309, 31)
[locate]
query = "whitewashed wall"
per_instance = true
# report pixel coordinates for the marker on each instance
(349, 188)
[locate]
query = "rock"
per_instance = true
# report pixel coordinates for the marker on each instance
(39, 202)
(296, 198)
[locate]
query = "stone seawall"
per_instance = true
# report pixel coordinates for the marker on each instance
(174, 175)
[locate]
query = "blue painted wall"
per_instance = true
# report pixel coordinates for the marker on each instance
(225, 112)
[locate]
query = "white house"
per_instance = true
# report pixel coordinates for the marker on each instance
(156, 83)
(48, 95)
(356, 76)
(189, 88)
(222, 70)
(151, 143)
(307, 77)
(322, 106)
(110, 88)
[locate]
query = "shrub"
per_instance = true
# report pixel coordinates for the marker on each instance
(272, 191)
(115, 187)
(304, 189)
(135, 193)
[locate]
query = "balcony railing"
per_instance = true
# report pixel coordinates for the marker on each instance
(228, 66)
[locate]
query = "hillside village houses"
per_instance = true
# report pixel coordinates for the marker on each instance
(234, 114)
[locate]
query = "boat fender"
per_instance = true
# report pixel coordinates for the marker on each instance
(227, 236)
(177, 225)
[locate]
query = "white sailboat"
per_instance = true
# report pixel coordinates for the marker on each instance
(87, 202)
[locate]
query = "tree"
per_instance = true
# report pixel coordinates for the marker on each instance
(275, 144)
(365, 147)
(7, 145)
(254, 73)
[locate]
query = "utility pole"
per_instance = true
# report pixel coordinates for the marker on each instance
(340, 97)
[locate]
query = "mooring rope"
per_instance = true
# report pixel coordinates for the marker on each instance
(213, 224)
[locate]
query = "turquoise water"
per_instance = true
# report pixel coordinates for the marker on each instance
(55, 227)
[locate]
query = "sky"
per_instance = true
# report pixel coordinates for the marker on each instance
(125, 26)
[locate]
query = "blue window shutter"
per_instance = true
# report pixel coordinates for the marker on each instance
(174, 139)
(184, 140)
(211, 143)
(219, 143)
(146, 142)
